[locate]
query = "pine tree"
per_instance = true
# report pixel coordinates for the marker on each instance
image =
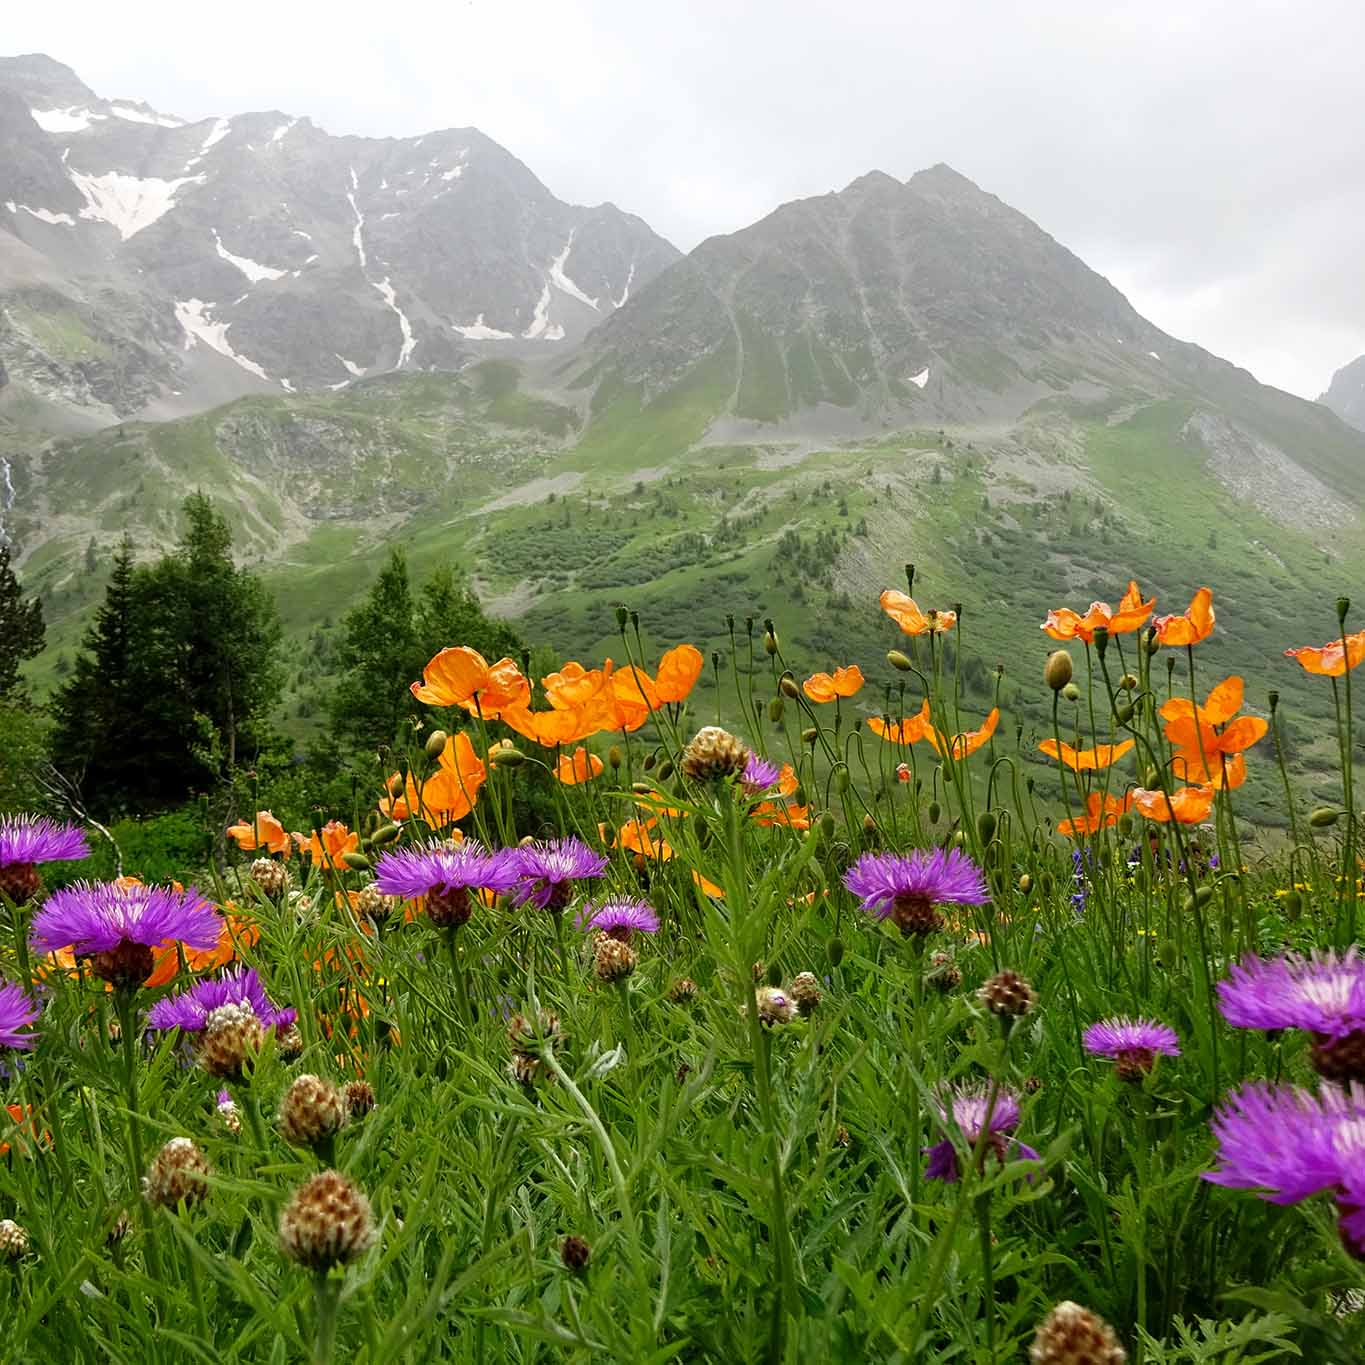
(21, 627)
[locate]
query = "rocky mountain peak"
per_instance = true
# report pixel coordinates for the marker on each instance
(1346, 393)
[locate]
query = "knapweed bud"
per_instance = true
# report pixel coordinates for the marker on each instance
(436, 743)
(359, 1098)
(805, 991)
(289, 1042)
(13, 1240)
(1058, 669)
(1324, 817)
(944, 974)
(613, 960)
(899, 660)
(228, 1112)
(1072, 1335)
(713, 753)
(231, 1040)
(1008, 995)
(326, 1223)
(372, 904)
(176, 1175)
(312, 1112)
(683, 991)
(774, 1006)
(357, 862)
(526, 1034)
(574, 1252)
(270, 876)
(1071, 692)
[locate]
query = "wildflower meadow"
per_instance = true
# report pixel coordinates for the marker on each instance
(812, 1028)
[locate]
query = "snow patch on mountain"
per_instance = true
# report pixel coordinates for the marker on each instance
(253, 270)
(64, 120)
(409, 341)
(358, 231)
(561, 281)
(127, 202)
(193, 317)
(541, 327)
(221, 128)
(351, 367)
(283, 130)
(132, 114)
(457, 170)
(478, 330)
(921, 379)
(625, 293)
(43, 215)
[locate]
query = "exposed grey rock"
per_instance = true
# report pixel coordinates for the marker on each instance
(1346, 393)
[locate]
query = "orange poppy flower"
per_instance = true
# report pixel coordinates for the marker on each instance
(450, 793)
(635, 837)
(1087, 760)
(1334, 658)
(1189, 805)
(679, 670)
(264, 832)
(328, 847)
(1203, 754)
(774, 813)
(235, 930)
(24, 1130)
(460, 676)
(970, 741)
(902, 772)
(1132, 613)
(908, 731)
(905, 612)
(787, 782)
(1194, 624)
(843, 682)
(1101, 812)
(580, 767)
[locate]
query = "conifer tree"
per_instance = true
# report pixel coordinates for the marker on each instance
(21, 627)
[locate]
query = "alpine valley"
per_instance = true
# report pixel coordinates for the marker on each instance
(353, 343)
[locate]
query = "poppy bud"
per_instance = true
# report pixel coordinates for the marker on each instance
(869, 826)
(827, 825)
(1324, 817)
(1125, 824)
(1071, 692)
(1046, 883)
(788, 685)
(947, 774)
(650, 760)
(614, 756)
(507, 757)
(635, 621)
(1150, 779)
(642, 788)
(1168, 955)
(385, 834)
(1025, 884)
(622, 616)
(1058, 669)
(835, 951)
(809, 735)
(1128, 682)
(1343, 606)
(934, 811)
(1293, 904)
(898, 660)
(769, 643)
(357, 861)
(841, 778)
(1153, 641)
(776, 708)
(959, 840)
(985, 826)
(436, 743)
(1199, 898)
(1274, 700)
(1124, 713)
(799, 795)
(910, 579)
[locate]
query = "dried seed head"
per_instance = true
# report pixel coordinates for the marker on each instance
(13, 1240)
(374, 905)
(1072, 1335)
(525, 1034)
(714, 753)
(805, 991)
(359, 1099)
(944, 974)
(526, 1069)
(613, 960)
(230, 1042)
(176, 1175)
(574, 1252)
(1008, 994)
(326, 1223)
(270, 876)
(683, 991)
(312, 1112)
(775, 1006)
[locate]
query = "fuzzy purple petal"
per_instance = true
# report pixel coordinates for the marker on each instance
(423, 869)
(942, 1161)
(759, 775)
(621, 913)
(36, 839)
(1322, 993)
(96, 917)
(189, 1010)
(543, 868)
(17, 1013)
(1281, 1140)
(941, 877)
(1110, 1037)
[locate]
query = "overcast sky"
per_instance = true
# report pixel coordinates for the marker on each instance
(1209, 158)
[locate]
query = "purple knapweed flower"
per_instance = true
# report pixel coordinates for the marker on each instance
(620, 918)
(1289, 1144)
(26, 841)
(1133, 1045)
(974, 1111)
(1323, 994)
(189, 1010)
(759, 775)
(118, 926)
(546, 872)
(908, 888)
(17, 1013)
(444, 875)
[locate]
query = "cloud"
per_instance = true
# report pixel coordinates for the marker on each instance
(1208, 157)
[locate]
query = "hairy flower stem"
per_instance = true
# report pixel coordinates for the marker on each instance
(326, 1294)
(461, 984)
(559, 944)
(983, 1223)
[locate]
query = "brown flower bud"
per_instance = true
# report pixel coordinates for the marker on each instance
(176, 1175)
(312, 1112)
(1072, 1335)
(714, 753)
(805, 991)
(270, 876)
(372, 904)
(775, 1006)
(327, 1222)
(13, 1240)
(683, 991)
(613, 960)
(359, 1098)
(230, 1042)
(1008, 994)
(574, 1252)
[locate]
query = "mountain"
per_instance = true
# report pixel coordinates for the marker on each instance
(1346, 393)
(153, 267)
